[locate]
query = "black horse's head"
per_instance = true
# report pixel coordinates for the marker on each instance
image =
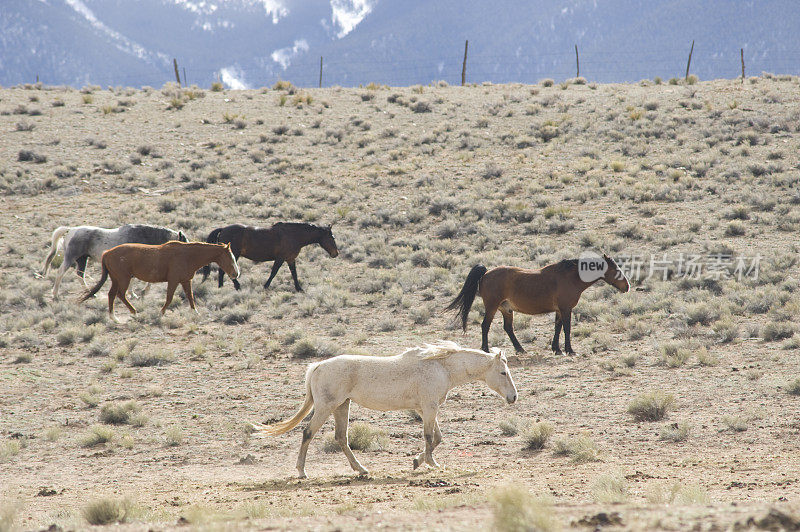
(327, 241)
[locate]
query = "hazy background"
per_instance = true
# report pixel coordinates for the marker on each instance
(253, 43)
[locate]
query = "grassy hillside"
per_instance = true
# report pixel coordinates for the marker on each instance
(420, 184)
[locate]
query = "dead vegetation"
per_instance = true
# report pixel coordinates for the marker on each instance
(680, 180)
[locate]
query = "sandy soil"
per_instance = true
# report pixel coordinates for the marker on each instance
(416, 200)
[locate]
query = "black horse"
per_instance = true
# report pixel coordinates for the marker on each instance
(282, 243)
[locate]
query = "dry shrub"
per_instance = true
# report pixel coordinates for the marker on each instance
(676, 493)
(676, 432)
(610, 489)
(651, 406)
(8, 517)
(362, 437)
(97, 435)
(580, 448)
(119, 413)
(535, 435)
(107, 511)
(518, 510)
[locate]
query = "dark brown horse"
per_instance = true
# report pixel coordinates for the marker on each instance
(554, 288)
(173, 263)
(282, 243)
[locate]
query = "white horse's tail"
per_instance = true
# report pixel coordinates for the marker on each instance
(288, 424)
(58, 236)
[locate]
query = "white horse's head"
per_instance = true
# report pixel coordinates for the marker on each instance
(498, 378)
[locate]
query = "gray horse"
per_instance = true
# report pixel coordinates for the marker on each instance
(81, 243)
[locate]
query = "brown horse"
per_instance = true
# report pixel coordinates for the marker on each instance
(554, 288)
(282, 243)
(173, 263)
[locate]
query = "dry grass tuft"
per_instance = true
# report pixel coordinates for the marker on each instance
(97, 435)
(610, 489)
(517, 510)
(9, 449)
(362, 437)
(119, 413)
(107, 511)
(651, 406)
(536, 435)
(676, 493)
(676, 432)
(8, 517)
(580, 448)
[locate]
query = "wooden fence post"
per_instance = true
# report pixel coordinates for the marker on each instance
(464, 65)
(689, 62)
(320, 72)
(577, 62)
(184, 77)
(741, 50)
(177, 76)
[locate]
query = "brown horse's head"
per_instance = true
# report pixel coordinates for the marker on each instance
(614, 275)
(327, 242)
(227, 261)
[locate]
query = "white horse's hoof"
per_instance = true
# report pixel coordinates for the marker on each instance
(302, 475)
(416, 463)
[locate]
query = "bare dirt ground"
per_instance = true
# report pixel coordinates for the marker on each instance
(421, 183)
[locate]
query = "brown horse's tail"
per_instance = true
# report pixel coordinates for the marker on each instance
(96, 287)
(213, 238)
(288, 424)
(463, 301)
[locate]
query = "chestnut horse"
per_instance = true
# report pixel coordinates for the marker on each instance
(554, 288)
(282, 243)
(173, 263)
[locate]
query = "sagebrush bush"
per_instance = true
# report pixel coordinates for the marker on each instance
(119, 413)
(580, 448)
(97, 435)
(676, 432)
(774, 331)
(361, 436)
(517, 510)
(106, 512)
(610, 489)
(651, 406)
(536, 435)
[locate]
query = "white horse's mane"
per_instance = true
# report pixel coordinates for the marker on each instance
(442, 349)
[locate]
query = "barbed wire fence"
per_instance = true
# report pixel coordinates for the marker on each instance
(593, 65)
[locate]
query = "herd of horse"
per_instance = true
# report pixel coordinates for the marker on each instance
(417, 379)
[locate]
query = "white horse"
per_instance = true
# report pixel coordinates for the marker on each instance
(417, 379)
(85, 241)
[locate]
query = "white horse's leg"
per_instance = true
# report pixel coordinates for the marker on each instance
(341, 418)
(429, 429)
(59, 275)
(437, 439)
(321, 413)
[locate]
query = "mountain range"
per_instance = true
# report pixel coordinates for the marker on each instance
(253, 43)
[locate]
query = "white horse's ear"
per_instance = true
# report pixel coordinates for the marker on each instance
(494, 350)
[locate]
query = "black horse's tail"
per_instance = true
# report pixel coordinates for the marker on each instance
(96, 287)
(463, 301)
(213, 237)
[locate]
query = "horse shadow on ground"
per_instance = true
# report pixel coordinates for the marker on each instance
(293, 483)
